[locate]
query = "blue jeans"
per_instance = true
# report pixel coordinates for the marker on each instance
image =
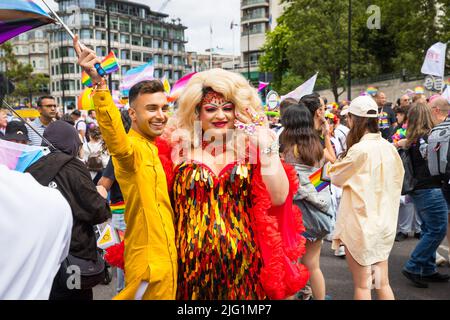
(432, 209)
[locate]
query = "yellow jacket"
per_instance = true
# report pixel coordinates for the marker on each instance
(150, 252)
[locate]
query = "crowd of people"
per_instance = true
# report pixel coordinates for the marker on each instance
(215, 202)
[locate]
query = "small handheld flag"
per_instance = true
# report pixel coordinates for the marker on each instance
(316, 180)
(108, 65)
(107, 238)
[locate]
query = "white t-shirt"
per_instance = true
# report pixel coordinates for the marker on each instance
(35, 232)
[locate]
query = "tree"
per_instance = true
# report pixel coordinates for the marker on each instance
(312, 36)
(21, 75)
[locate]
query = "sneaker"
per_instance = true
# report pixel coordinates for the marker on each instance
(440, 260)
(340, 252)
(415, 278)
(417, 235)
(401, 236)
(437, 277)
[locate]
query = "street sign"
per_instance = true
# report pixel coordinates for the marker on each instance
(273, 100)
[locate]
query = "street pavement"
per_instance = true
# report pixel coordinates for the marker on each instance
(338, 278)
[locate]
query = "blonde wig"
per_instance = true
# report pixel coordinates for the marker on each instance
(234, 88)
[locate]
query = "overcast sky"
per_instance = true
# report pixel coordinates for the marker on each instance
(198, 15)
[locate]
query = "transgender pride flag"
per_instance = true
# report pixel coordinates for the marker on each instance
(136, 75)
(19, 156)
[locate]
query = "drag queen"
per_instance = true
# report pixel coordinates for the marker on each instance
(238, 236)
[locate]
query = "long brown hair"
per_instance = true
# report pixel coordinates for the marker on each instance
(360, 126)
(420, 123)
(299, 138)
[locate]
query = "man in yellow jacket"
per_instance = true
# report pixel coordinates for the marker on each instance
(150, 252)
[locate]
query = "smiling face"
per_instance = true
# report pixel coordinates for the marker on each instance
(149, 113)
(216, 114)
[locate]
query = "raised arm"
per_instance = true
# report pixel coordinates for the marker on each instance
(108, 116)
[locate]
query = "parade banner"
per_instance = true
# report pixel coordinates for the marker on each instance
(305, 89)
(19, 16)
(434, 63)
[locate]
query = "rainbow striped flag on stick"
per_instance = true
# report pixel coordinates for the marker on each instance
(109, 64)
(316, 180)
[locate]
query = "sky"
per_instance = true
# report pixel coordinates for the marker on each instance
(198, 15)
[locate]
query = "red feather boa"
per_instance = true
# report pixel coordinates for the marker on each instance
(279, 232)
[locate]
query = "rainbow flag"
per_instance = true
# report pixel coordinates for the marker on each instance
(179, 86)
(316, 180)
(372, 91)
(117, 208)
(109, 64)
(17, 156)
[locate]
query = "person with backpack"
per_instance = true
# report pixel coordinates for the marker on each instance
(428, 199)
(62, 170)
(440, 108)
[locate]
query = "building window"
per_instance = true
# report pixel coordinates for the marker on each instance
(167, 60)
(147, 29)
(53, 72)
(147, 42)
(68, 68)
(100, 35)
(157, 31)
(124, 38)
(114, 23)
(168, 74)
(124, 69)
(125, 55)
(167, 45)
(136, 56)
(116, 51)
(57, 85)
(86, 19)
(100, 21)
(53, 86)
(124, 25)
(57, 69)
(135, 27)
(115, 37)
(136, 41)
(147, 57)
(158, 73)
(100, 51)
(176, 75)
(34, 64)
(115, 85)
(68, 85)
(86, 34)
(157, 58)
(67, 52)
(157, 44)
(175, 47)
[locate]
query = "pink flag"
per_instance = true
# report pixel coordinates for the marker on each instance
(262, 85)
(179, 86)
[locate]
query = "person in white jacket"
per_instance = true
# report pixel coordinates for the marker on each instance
(34, 236)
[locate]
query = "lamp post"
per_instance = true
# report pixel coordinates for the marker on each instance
(248, 51)
(63, 98)
(349, 80)
(108, 28)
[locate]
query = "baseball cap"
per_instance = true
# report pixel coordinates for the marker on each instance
(76, 113)
(17, 131)
(363, 106)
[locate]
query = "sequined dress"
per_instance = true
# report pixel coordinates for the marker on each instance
(219, 258)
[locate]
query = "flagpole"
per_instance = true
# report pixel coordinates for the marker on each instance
(27, 124)
(210, 46)
(97, 66)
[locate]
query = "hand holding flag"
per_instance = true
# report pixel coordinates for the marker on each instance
(87, 59)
